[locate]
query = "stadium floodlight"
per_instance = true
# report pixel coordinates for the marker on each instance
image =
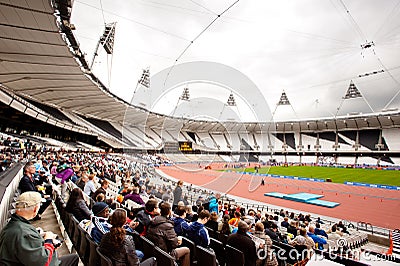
(145, 78)
(106, 40)
(231, 100)
(284, 99)
(352, 92)
(185, 95)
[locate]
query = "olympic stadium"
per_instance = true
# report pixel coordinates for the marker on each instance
(223, 94)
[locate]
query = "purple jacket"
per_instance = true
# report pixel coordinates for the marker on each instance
(135, 198)
(64, 175)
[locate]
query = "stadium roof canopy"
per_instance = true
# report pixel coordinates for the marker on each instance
(41, 60)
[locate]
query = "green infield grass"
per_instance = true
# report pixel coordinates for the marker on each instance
(338, 175)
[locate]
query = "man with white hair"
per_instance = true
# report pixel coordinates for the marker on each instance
(22, 244)
(319, 241)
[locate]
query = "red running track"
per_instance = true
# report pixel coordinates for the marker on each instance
(380, 207)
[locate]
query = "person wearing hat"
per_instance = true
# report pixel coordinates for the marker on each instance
(99, 221)
(244, 243)
(22, 244)
(28, 183)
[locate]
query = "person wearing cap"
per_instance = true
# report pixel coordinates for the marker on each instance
(99, 221)
(22, 244)
(28, 183)
(244, 243)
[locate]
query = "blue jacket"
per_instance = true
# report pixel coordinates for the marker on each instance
(213, 206)
(181, 227)
(318, 240)
(199, 234)
(321, 232)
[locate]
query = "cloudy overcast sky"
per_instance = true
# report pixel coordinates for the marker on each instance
(311, 49)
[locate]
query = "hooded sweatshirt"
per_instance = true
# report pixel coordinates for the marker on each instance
(199, 234)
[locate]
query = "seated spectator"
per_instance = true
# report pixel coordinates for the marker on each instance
(167, 196)
(273, 233)
(21, 243)
(235, 220)
(285, 222)
(213, 222)
(319, 231)
(161, 233)
(226, 228)
(302, 239)
(76, 205)
(189, 212)
(124, 190)
(180, 225)
(99, 221)
(145, 216)
(200, 200)
(89, 186)
(292, 229)
(251, 217)
(134, 196)
(334, 234)
(81, 182)
(319, 241)
(197, 232)
(118, 246)
(100, 198)
(270, 259)
(243, 242)
(102, 189)
(27, 183)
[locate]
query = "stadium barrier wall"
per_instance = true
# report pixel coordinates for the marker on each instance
(9, 181)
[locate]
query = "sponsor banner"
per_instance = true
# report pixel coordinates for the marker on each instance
(372, 185)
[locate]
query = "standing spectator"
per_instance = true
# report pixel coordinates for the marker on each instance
(21, 243)
(177, 194)
(161, 233)
(213, 203)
